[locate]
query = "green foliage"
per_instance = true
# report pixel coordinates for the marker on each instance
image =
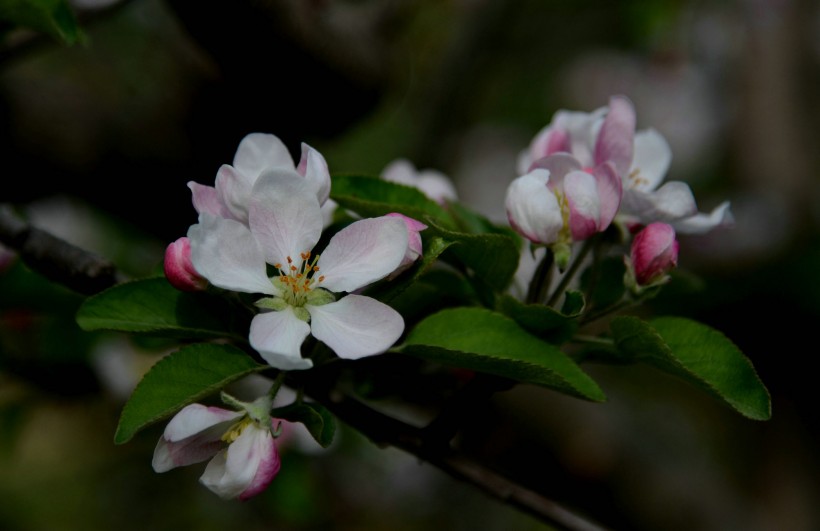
(388, 291)
(545, 322)
(187, 375)
(486, 341)
(155, 307)
(316, 418)
(698, 354)
(52, 17)
(371, 197)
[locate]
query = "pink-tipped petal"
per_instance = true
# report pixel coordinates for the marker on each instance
(533, 209)
(356, 326)
(651, 162)
(584, 205)
(179, 270)
(232, 472)
(313, 167)
(654, 252)
(258, 152)
(206, 201)
(269, 465)
(414, 243)
(284, 215)
(225, 252)
(610, 191)
(616, 137)
(278, 337)
(363, 252)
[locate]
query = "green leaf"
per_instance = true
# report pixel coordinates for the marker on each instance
(700, 355)
(473, 222)
(371, 197)
(604, 282)
(154, 306)
(53, 17)
(182, 377)
(492, 257)
(485, 341)
(540, 320)
(316, 418)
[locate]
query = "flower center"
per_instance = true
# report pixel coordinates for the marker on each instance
(298, 281)
(235, 431)
(635, 179)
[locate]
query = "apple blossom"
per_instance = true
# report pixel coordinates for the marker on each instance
(179, 270)
(284, 225)
(414, 245)
(431, 183)
(641, 159)
(257, 152)
(558, 202)
(244, 459)
(646, 200)
(653, 254)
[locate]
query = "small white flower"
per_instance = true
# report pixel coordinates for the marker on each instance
(434, 184)
(244, 459)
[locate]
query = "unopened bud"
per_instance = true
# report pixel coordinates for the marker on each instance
(179, 270)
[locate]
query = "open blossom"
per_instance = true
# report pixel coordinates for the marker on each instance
(653, 254)
(431, 183)
(284, 225)
(257, 153)
(240, 445)
(641, 159)
(179, 270)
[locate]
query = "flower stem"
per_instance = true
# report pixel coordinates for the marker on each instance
(541, 278)
(276, 385)
(573, 269)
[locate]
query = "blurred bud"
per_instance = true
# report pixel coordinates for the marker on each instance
(414, 248)
(179, 270)
(7, 258)
(654, 254)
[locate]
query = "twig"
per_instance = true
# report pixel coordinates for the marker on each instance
(54, 258)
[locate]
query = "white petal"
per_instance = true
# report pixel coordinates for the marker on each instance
(356, 326)
(400, 171)
(652, 158)
(363, 252)
(278, 337)
(231, 472)
(225, 252)
(234, 191)
(436, 186)
(702, 223)
(313, 167)
(285, 216)
(533, 209)
(195, 418)
(192, 436)
(672, 201)
(259, 152)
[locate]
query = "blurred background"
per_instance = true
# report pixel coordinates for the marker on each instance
(99, 139)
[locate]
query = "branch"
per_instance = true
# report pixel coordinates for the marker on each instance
(55, 259)
(384, 430)
(87, 273)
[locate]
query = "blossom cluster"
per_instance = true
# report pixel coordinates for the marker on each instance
(260, 225)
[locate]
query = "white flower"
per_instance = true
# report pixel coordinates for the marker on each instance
(284, 225)
(434, 184)
(257, 153)
(244, 459)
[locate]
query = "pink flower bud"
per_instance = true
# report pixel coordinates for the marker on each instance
(179, 270)
(654, 253)
(414, 247)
